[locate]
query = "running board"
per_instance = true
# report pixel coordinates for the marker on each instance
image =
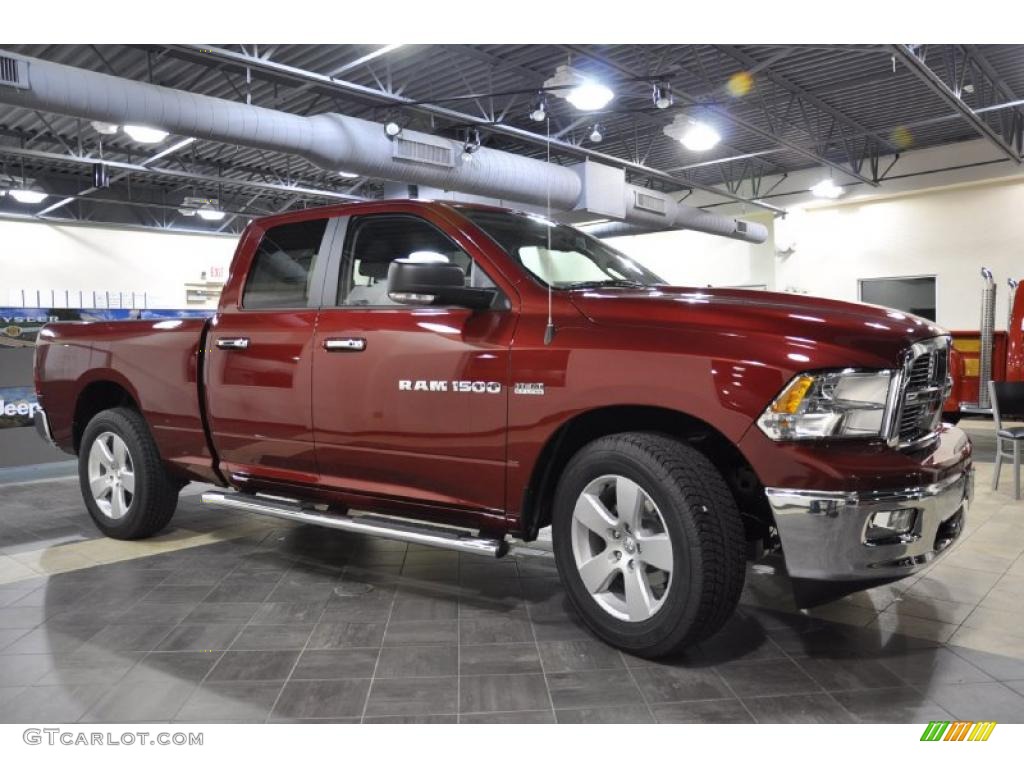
(372, 525)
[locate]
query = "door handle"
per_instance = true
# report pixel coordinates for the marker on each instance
(345, 345)
(236, 343)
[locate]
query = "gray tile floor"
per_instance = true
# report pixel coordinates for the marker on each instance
(295, 623)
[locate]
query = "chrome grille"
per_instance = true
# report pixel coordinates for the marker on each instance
(926, 380)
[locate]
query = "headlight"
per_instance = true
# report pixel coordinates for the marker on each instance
(835, 404)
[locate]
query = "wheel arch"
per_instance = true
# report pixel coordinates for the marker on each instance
(98, 395)
(590, 425)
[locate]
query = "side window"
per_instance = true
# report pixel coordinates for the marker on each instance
(373, 242)
(282, 268)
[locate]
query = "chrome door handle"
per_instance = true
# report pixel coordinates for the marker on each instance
(237, 343)
(345, 345)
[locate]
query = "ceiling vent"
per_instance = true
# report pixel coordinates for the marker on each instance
(650, 203)
(417, 151)
(13, 72)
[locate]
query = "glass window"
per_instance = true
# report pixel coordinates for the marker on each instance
(283, 266)
(907, 294)
(559, 255)
(373, 242)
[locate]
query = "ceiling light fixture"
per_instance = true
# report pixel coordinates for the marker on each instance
(392, 129)
(348, 175)
(211, 214)
(27, 196)
(540, 108)
(107, 129)
(700, 137)
(595, 134)
(144, 134)
(826, 188)
(662, 95)
(590, 96)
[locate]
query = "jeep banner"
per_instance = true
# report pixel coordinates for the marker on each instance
(17, 406)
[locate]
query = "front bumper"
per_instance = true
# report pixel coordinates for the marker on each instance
(824, 534)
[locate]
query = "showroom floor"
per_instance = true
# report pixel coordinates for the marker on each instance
(232, 617)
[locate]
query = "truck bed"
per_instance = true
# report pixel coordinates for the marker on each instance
(157, 362)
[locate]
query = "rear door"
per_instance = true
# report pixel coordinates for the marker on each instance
(259, 358)
(410, 403)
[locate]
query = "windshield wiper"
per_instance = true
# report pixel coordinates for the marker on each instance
(604, 283)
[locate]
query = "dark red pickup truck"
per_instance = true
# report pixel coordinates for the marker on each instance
(459, 374)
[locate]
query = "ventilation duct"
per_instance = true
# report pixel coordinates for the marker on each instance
(988, 324)
(338, 142)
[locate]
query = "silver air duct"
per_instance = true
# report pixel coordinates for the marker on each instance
(1010, 298)
(335, 142)
(988, 325)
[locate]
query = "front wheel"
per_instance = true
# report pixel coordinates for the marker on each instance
(648, 542)
(126, 489)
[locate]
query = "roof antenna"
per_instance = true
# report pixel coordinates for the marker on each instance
(549, 330)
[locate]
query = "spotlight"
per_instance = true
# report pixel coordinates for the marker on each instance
(27, 196)
(540, 109)
(145, 135)
(827, 189)
(662, 95)
(589, 96)
(392, 129)
(107, 129)
(699, 137)
(595, 134)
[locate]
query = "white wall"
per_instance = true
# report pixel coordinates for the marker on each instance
(950, 233)
(696, 259)
(48, 257)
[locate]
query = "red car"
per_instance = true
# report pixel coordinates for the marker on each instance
(461, 374)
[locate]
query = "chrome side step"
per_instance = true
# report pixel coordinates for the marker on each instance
(372, 525)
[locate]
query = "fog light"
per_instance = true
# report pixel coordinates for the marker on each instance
(891, 526)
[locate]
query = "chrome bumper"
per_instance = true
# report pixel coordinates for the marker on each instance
(42, 425)
(824, 534)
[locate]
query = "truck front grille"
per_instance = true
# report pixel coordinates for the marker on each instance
(926, 382)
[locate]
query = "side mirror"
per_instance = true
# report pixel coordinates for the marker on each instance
(432, 283)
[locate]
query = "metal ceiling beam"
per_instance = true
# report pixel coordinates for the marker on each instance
(226, 56)
(937, 85)
(788, 85)
(35, 154)
(746, 125)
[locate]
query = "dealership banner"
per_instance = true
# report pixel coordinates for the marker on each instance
(17, 406)
(19, 328)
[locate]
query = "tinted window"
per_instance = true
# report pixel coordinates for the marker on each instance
(373, 242)
(283, 266)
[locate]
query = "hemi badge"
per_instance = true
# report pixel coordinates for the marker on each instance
(529, 388)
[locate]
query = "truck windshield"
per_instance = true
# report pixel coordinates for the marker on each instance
(559, 255)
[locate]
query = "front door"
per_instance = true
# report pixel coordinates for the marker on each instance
(259, 359)
(410, 403)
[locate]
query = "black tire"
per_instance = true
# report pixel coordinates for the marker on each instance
(704, 527)
(156, 493)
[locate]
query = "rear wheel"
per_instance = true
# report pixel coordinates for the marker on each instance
(126, 489)
(648, 542)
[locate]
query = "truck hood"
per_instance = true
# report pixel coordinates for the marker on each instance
(870, 333)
